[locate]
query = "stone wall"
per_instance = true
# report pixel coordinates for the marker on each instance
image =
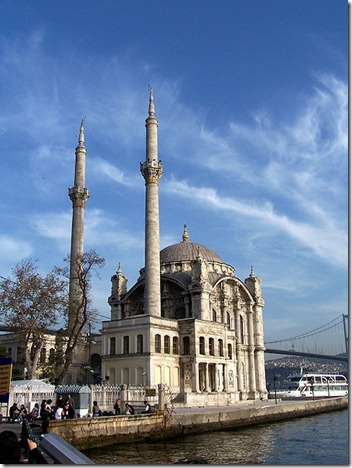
(85, 433)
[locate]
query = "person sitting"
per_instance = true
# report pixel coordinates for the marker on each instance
(14, 413)
(22, 414)
(10, 452)
(34, 414)
(129, 409)
(147, 408)
(96, 410)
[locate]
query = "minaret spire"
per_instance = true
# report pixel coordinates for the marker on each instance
(79, 195)
(151, 109)
(152, 170)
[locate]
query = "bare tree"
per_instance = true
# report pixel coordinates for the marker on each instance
(80, 310)
(32, 303)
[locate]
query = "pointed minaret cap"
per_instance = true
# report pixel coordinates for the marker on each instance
(81, 134)
(185, 234)
(151, 102)
(252, 275)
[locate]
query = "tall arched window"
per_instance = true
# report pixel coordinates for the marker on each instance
(228, 319)
(186, 345)
(51, 353)
(229, 350)
(221, 348)
(214, 316)
(139, 343)
(126, 344)
(211, 347)
(112, 346)
(157, 343)
(201, 345)
(175, 345)
(166, 344)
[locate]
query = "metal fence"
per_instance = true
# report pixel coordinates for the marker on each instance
(105, 395)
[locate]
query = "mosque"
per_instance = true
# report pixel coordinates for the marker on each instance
(188, 322)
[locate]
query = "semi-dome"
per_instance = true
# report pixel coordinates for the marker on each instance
(186, 251)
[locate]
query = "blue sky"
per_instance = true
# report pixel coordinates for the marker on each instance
(251, 98)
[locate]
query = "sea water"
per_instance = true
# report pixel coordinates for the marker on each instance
(314, 440)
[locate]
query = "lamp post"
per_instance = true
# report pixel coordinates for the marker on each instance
(276, 378)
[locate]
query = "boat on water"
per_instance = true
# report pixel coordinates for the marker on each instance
(314, 385)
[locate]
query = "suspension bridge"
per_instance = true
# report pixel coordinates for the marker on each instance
(329, 341)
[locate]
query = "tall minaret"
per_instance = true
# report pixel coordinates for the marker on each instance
(152, 170)
(78, 195)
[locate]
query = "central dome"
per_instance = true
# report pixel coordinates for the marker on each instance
(186, 251)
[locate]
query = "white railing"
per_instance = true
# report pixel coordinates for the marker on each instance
(106, 395)
(29, 395)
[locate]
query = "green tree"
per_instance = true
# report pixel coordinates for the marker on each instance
(32, 303)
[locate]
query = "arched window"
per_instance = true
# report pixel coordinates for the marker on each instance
(112, 346)
(228, 319)
(51, 353)
(42, 358)
(221, 348)
(211, 347)
(201, 345)
(175, 345)
(166, 344)
(229, 350)
(186, 345)
(139, 343)
(126, 344)
(214, 316)
(157, 343)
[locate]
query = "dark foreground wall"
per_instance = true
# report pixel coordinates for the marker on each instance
(87, 433)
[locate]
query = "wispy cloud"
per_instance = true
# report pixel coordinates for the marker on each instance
(13, 249)
(326, 241)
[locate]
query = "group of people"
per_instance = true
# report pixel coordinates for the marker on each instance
(63, 409)
(117, 409)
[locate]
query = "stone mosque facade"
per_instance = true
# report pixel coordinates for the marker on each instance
(188, 323)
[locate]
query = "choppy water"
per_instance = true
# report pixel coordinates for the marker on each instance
(315, 440)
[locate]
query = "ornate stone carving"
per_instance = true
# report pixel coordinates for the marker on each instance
(152, 171)
(78, 196)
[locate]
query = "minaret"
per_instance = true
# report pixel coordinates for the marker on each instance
(152, 170)
(78, 195)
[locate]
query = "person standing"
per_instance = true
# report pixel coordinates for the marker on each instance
(71, 408)
(96, 409)
(117, 407)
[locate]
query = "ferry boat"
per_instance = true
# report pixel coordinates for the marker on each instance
(313, 385)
